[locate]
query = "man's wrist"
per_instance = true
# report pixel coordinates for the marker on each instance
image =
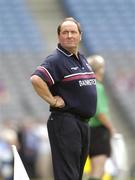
(54, 104)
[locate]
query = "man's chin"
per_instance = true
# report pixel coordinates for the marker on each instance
(70, 46)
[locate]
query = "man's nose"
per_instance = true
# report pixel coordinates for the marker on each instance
(69, 34)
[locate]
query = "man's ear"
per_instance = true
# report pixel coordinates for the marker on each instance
(81, 36)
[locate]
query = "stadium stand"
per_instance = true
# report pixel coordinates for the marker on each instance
(21, 45)
(107, 25)
(17, 28)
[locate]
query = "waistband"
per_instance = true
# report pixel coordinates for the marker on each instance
(70, 115)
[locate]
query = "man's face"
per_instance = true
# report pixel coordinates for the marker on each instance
(69, 36)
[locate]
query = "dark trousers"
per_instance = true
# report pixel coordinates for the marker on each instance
(69, 138)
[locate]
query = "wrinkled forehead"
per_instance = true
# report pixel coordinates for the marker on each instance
(69, 24)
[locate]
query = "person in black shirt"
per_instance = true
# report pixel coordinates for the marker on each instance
(67, 83)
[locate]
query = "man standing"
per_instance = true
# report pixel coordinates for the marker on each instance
(101, 127)
(67, 83)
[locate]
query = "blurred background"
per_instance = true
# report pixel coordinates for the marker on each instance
(27, 36)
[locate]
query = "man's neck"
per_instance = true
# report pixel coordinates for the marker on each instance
(69, 50)
(73, 51)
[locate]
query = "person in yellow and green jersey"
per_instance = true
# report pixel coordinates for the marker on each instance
(101, 128)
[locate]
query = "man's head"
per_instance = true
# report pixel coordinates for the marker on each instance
(72, 20)
(69, 34)
(98, 64)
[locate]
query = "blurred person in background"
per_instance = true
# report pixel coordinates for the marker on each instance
(8, 137)
(67, 83)
(44, 153)
(101, 128)
(4, 98)
(29, 144)
(4, 94)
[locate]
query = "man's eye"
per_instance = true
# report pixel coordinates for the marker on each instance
(73, 32)
(65, 32)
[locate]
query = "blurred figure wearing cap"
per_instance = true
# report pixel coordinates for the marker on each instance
(100, 125)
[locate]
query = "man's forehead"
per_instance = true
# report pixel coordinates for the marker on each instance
(68, 23)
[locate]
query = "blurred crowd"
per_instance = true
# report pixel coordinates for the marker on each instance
(30, 137)
(31, 140)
